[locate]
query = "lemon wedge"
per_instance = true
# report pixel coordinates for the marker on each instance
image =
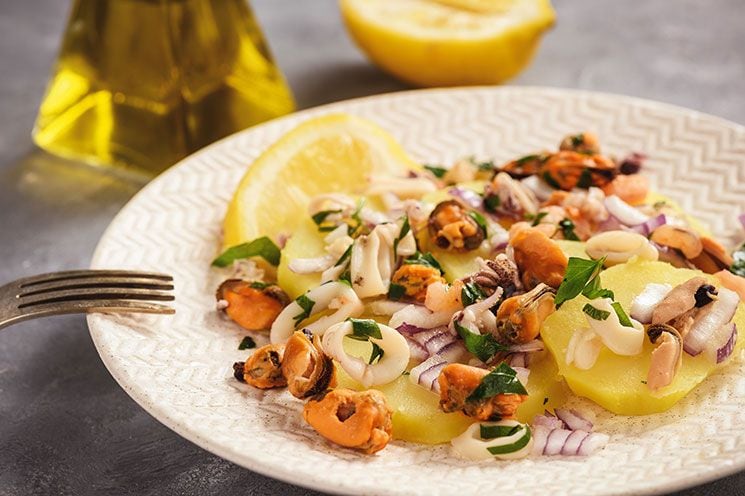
(333, 153)
(449, 42)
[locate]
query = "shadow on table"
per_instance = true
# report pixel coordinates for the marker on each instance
(342, 81)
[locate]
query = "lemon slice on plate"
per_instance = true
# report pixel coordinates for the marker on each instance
(333, 153)
(449, 42)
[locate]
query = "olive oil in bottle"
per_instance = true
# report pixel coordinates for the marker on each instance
(143, 83)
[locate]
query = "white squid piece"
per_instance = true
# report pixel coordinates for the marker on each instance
(470, 445)
(619, 339)
(372, 261)
(391, 365)
(333, 295)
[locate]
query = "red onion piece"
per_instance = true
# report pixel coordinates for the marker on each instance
(409, 329)
(549, 421)
(573, 442)
(625, 213)
(646, 228)
(574, 420)
(725, 351)
(592, 443)
(712, 318)
(555, 441)
(426, 373)
(470, 198)
(518, 360)
(437, 341)
(522, 374)
(609, 224)
(539, 187)
(540, 436)
(418, 352)
(453, 352)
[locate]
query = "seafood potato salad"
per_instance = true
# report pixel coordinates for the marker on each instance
(469, 304)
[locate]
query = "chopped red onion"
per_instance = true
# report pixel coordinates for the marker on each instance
(547, 441)
(646, 228)
(437, 342)
(549, 421)
(592, 443)
(573, 419)
(609, 224)
(522, 374)
(555, 441)
(518, 360)
(625, 213)
(469, 197)
(453, 352)
(426, 373)
(418, 352)
(725, 351)
(710, 320)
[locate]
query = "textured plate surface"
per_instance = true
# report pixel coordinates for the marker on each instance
(176, 367)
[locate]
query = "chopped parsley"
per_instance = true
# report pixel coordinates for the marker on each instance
(405, 228)
(425, 259)
(377, 354)
(527, 158)
(622, 317)
(320, 220)
(471, 293)
(577, 140)
(483, 346)
(258, 285)
(580, 274)
(585, 179)
(396, 291)
(364, 329)
(439, 172)
(479, 219)
(307, 305)
(501, 380)
(738, 266)
(344, 256)
(260, 247)
(247, 343)
(567, 229)
(492, 202)
(495, 431)
(595, 313)
(537, 218)
(511, 448)
(550, 180)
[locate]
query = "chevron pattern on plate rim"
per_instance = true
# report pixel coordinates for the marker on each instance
(176, 367)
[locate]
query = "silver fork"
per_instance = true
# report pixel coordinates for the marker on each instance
(85, 291)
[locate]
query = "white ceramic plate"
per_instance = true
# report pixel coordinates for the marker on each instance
(176, 367)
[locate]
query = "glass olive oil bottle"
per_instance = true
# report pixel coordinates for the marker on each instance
(143, 83)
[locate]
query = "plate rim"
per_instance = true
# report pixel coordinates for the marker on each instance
(317, 483)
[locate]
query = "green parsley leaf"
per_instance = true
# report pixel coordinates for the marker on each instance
(320, 217)
(578, 140)
(526, 159)
(622, 317)
(501, 380)
(247, 343)
(537, 218)
(260, 247)
(550, 180)
(492, 202)
(480, 220)
(485, 166)
(405, 228)
(495, 431)
(344, 256)
(511, 448)
(307, 305)
(595, 293)
(377, 353)
(439, 172)
(364, 329)
(738, 266)
(471, 293)
(425, 259)
(258, 285)
(346, 277)
(396, 291)
(484, 346)
(580, 272)
(585, 179)
(595, 313)
(567, 229)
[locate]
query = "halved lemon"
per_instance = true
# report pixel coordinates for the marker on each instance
(449, 42)
(333, 153)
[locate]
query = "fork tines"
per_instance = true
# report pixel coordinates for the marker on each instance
(96, 290)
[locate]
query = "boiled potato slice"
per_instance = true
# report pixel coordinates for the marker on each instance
(616, 382)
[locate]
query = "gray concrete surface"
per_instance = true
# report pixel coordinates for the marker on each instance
(65, 425)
